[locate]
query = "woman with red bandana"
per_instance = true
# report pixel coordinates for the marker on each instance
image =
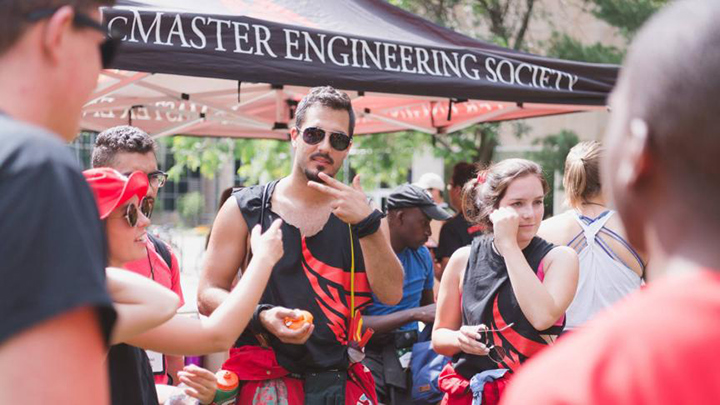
(121, 204)
(503, 298)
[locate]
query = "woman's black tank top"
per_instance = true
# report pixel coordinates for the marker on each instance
(488, 298)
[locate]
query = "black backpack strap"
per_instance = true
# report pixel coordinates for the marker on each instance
(263, 204)
(264, 201)
(162, 249)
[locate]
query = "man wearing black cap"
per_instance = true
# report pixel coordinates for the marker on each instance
(410, 210)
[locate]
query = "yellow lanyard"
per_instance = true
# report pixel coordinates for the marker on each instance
(352, 273)
(356, 334)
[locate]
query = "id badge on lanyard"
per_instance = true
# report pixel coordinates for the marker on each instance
(157, 362)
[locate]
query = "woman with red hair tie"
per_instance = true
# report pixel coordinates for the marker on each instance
(503, 298)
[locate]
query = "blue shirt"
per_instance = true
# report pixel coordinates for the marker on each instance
(419, 275)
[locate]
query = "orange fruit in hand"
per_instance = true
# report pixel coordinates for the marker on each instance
(297, 323)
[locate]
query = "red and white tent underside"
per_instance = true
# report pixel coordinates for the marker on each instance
(165, 105)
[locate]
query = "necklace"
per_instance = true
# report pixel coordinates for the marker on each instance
(594, 203)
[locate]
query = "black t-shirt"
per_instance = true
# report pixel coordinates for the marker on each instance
(131, 377)
(52, 243)
(454, 234)
(314, 275)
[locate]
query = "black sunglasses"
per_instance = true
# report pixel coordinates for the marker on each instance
(496, 353)
(108, 48)
(146, 207)
(338, 140)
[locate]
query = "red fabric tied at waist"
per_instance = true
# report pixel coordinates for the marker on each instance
(254, 363)
(256, 366)
(455, 387)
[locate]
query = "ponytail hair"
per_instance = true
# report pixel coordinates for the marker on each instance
(482, 195)
(582, 173)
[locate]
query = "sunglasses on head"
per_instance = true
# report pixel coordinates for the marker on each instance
(158, 178)
(146, 207)
(314, 135)
(108, 48)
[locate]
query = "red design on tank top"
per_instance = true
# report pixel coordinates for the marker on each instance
(332, 291)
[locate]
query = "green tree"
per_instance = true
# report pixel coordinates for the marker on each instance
(564, 46)
(475, 144)
(196, 153)
(190, 207)
(439, 11)
(262, 160)
(626, 16)
(507, 22)
(384, 159)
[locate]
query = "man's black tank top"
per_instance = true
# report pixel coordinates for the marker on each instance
(314, 275)
(488, 298)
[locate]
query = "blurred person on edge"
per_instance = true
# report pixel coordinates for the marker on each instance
(660, 344)
(56, 313)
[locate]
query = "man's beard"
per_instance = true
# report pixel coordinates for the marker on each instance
(315, 175)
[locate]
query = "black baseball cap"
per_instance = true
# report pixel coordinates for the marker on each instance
(408, 196)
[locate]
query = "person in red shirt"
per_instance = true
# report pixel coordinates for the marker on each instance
(659, 345)
(127, 149)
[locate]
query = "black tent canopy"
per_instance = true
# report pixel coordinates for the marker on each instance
(237, 68)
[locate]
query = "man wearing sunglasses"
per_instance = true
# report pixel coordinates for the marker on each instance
(127, 149)
(329, 233)
(56, 313)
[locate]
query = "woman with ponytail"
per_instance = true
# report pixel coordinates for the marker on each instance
(503, 298)
(609, 267)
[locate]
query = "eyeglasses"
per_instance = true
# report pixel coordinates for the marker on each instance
(158, 178)
(146, 207)
(338, 140)
(496, 353)
(108, 48)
